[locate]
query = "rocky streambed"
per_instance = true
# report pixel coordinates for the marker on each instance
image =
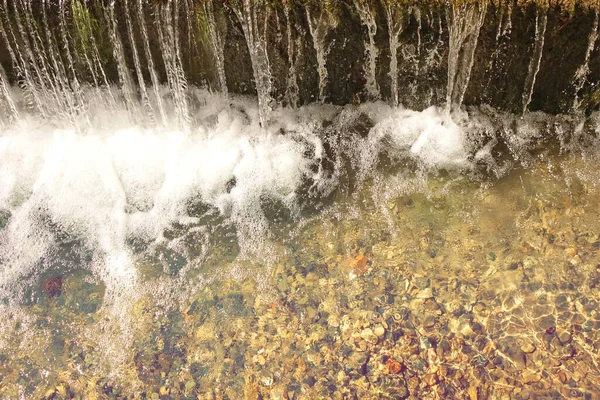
(449, 289)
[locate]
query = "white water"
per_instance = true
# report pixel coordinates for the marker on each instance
(541, 19)
(395, 23)
(581, 75)
(120, 180)
(254, 18)
(320, 23)
(217, 45)
(467, 20)
(292, 90)
(367, 18)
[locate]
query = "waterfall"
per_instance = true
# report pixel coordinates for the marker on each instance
(167, 19)
(59, 52)
(29, 74)
(503, 31)
(137, 64)
(393, 15)
(581, 75)
(504, 26)
(367, 17)
(254, 17)
(150, 61)
(72, 77)
(417, 13)
(292, 89)
(8, 105)
(320, 23)
(536, 58)
(127, 88)
(81, 44)
(465, 25)
(29, 95)
(217, 45)
(86, 42)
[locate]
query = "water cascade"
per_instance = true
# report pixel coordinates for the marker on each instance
(541, 20)
(67, 45)
(581, 75)
(127, 89)
(217, 45)
(367, 17)
(299, 199)
(254, 17)
(394, 17)
(416, 11)
(167, 22)
(10, 112)
(85, 45)
(27, 68)
(321, 21)
(293, 46)
(138, 68)
(150, 61)
(465, 25)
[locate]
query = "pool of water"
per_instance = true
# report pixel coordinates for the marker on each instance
(342, 252)
(444, 286)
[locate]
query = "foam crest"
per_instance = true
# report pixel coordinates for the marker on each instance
(105, 187)
(431, 136)
(119, 182)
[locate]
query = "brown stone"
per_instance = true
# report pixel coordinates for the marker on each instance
(53, 286)
(393, 367)
(563, 377)
(360, 264)
(531, 377)
(528, 348)
(430, 379)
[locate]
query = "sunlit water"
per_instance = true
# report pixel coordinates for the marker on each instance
(357, 252)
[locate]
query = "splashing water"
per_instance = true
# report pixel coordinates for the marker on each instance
(161, 239)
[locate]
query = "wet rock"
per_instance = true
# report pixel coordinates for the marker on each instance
(472, 392)
(567, 351)
(379, 330)
(424, 343)
(528, 348)
(530, 377)
(360, 264)
(417, 363)
(515, 265)
(425, 294)
(517, 356)
(397, 334)
(430, 379)
(393, 367)
(480, 361)
(392, 387)
(368, 335)
(429, 322)
(422, 283)
(53, 287)
(565, 337)
(563, 377)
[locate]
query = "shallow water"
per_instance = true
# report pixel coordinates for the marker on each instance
(362, 252)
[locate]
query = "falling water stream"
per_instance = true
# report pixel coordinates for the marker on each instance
(202, 199)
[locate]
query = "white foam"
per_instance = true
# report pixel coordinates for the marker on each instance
(104, 187)
(119, 180)
(430, 136)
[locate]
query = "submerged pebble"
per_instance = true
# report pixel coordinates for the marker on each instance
(53, 287)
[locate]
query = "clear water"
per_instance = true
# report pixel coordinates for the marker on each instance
(357, 252)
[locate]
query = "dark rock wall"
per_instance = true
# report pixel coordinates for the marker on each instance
(497, 78)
